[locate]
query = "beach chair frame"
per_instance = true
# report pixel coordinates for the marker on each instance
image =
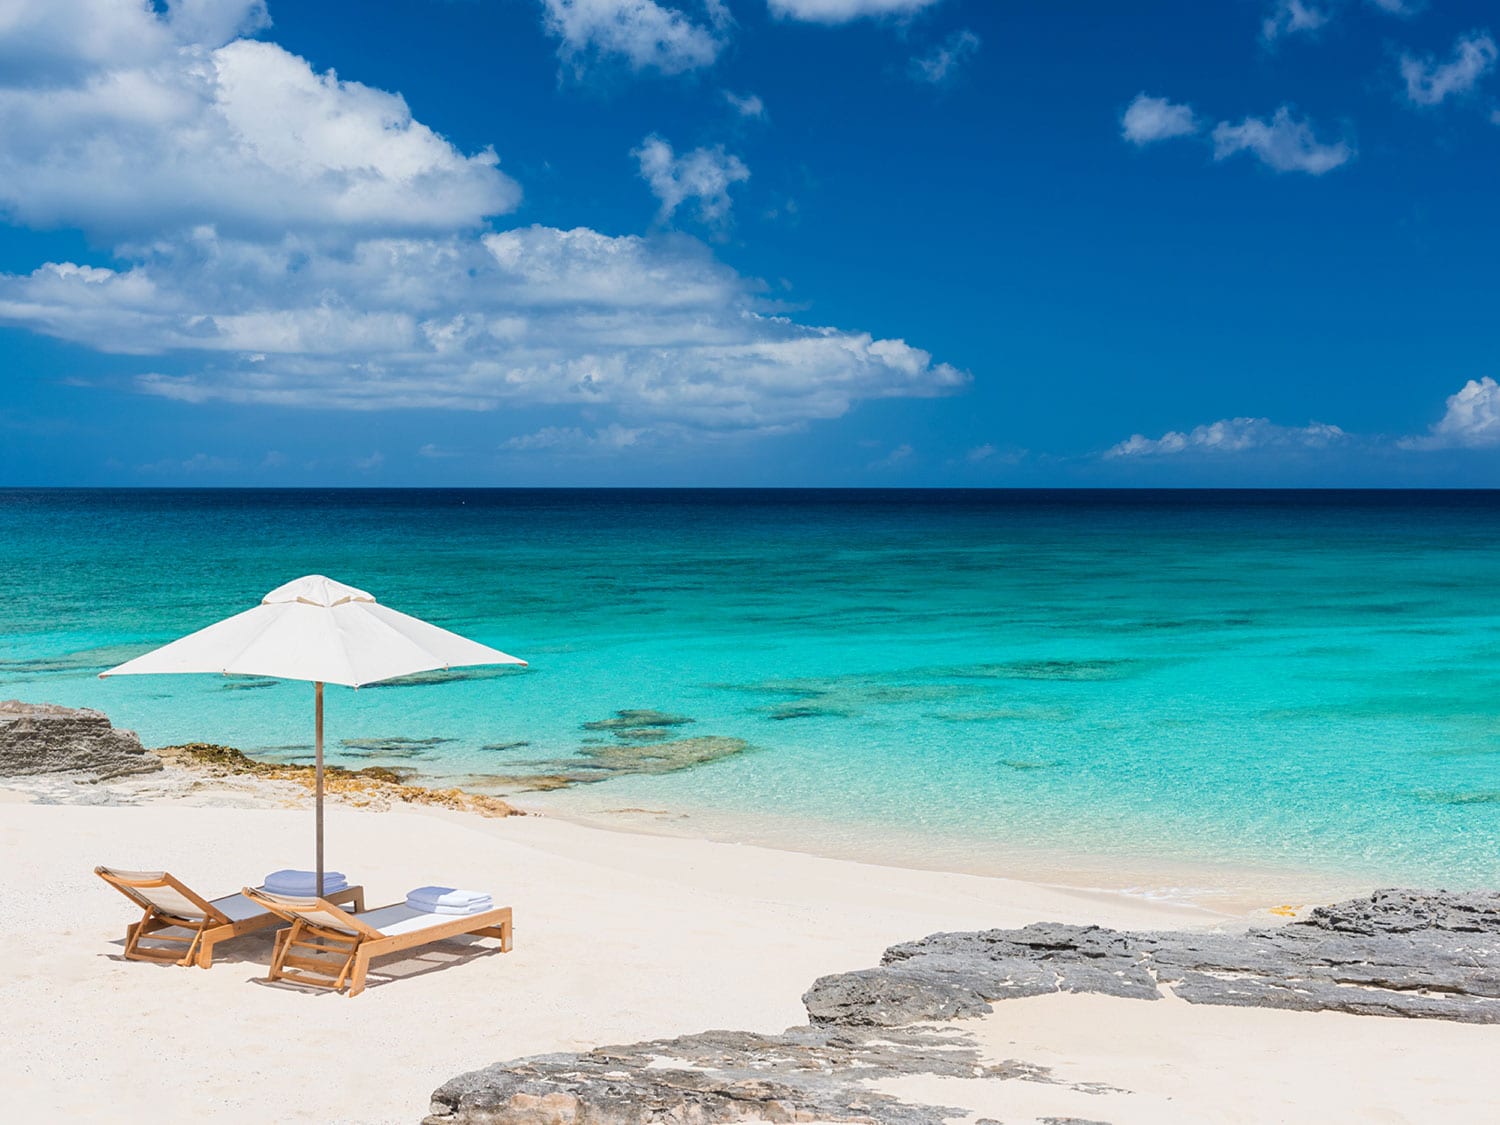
(334, 953)
(198, 935)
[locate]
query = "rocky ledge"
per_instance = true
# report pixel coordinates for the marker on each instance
(377, 787)
(805, 1074)
(65, 756)
(1395, 953)
(43, 738)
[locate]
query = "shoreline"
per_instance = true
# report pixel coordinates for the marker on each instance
(1229, 888)
(220, 776)
(188, 788)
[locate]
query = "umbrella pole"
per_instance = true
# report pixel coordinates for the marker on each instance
(318, 777)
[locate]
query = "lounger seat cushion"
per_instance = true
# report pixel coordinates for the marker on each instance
(402, 919)
(237, 908)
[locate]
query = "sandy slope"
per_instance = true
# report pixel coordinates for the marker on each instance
(618, 937)
(1141, 1062)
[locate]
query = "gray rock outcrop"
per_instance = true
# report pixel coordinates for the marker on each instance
(42, 738)
(1396, 953)
(804, 1074)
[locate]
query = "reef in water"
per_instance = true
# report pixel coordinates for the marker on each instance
(642, 743)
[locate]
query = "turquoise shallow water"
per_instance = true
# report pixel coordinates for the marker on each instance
(1298, 681)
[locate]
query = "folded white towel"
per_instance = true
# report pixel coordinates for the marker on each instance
(304, 888)
(292, 875)
(478, 906)
(445, 896)
(303, 883)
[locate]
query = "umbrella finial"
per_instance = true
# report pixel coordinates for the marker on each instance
(315, 589)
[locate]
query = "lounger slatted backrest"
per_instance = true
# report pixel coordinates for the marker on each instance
(174, 915)
(315, 912)
(159, 892)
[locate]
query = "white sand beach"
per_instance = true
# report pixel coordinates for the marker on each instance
(619, 937)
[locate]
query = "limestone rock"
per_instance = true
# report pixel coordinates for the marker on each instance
(804, 1074)
(41, 738)
(1395, 953)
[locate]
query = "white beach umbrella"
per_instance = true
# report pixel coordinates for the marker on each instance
(319, 630)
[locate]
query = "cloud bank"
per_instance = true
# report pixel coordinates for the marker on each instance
(1471, 420)
(291, 238)
(1229, 435)
(244, 135)
(647, 328)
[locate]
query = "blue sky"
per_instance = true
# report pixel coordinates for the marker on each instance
(782, 242)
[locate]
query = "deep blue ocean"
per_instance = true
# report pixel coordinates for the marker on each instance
(1123, 688)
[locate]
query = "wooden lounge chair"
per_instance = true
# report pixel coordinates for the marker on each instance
(327, 948)
(177, 916)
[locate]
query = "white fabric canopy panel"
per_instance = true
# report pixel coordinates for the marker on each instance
(319, 630)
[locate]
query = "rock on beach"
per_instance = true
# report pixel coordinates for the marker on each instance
(44, 738)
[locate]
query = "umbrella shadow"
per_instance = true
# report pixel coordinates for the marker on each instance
(254, 948)
(396, 967)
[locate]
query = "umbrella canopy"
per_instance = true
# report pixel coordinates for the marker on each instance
(319, 630)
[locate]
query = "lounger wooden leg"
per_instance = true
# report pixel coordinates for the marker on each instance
(501, 930)
(346, 970)
(278, 953)
(192, 950)
(153, 924)
(357, 977)
(133, 935)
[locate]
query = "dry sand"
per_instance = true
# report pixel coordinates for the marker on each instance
(619, 937)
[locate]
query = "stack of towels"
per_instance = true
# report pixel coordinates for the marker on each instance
(303, 884)
(448, 900)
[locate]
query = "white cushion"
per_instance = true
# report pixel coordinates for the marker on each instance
(237, 908)
(402, 919)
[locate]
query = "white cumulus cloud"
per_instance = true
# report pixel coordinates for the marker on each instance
(58, 39)
(703, 175)
(244, 135)
(942, 64)
(650, 329)
(1149, 119)
(1429, 82)
(646, 34)
(1283, 143)
(842, 11)
(897, 457)
(746, 105)
(1291, 16)
(1471, 420)
(572, 439)
(1230, 435)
